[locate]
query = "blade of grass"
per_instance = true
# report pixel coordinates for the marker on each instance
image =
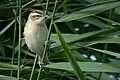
(69, 24)
(3, 77)
(28, 3)
(89, 11)
(49, 33)
(86, 66)
(68, 52)
(6, 28)
(19, 47)
(33, 68)
(88, 35)
(111, 15)
(6, 66)
(106, 52)
(95, 21)
(14, 39)
(107, 20)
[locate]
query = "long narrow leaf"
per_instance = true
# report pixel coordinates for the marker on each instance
(86, 66)
(88, 35)
(3, 77)
(107, 52)
(6, 66)
(7, 27)
(95, 21)
(68, 52)
(90, 11)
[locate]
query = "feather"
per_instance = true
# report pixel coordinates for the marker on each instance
(35, 33)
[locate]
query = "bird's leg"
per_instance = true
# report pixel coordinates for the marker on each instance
(39, 61)
(46, 43)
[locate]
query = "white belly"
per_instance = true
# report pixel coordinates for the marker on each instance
(35, 38)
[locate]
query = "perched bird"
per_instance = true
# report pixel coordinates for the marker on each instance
(35, 32)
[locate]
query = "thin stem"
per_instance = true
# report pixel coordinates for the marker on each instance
(46, 45)
(63, 75)
(33, 68)
(43, 56)
(111, 15)
(48, 38)
(99, 77)
(103, 59)
(61, 5)
(28, 3)
(19, 47)
(69, 24)
(14, 36)
(49, 33)
(24, 60)
(46, 9)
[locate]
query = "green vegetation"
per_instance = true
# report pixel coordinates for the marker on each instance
(83, 34)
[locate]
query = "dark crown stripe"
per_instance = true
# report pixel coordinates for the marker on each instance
(37, 11)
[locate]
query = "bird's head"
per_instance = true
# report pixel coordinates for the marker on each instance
(37, 17)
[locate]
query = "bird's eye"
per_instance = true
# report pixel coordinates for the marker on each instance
(37, 15)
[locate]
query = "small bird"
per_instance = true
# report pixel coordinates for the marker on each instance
(35, 32)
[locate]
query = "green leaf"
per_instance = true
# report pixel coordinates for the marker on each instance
(95, 21)
(76, 37)
(7, 27)
(107, 52)
(85, 66)
(107, 20)
(2, 77)
(68, 52)
(117, 10)
(104, 76)
(115, 62)
(6, 66)
(100, 40)
(89, 11)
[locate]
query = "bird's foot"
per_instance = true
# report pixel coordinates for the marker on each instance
(47, 43)
(40, 64)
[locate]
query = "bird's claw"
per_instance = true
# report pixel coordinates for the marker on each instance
(47, 43)
(40, 64)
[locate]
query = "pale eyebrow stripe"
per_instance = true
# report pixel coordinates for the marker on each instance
(33, 14)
